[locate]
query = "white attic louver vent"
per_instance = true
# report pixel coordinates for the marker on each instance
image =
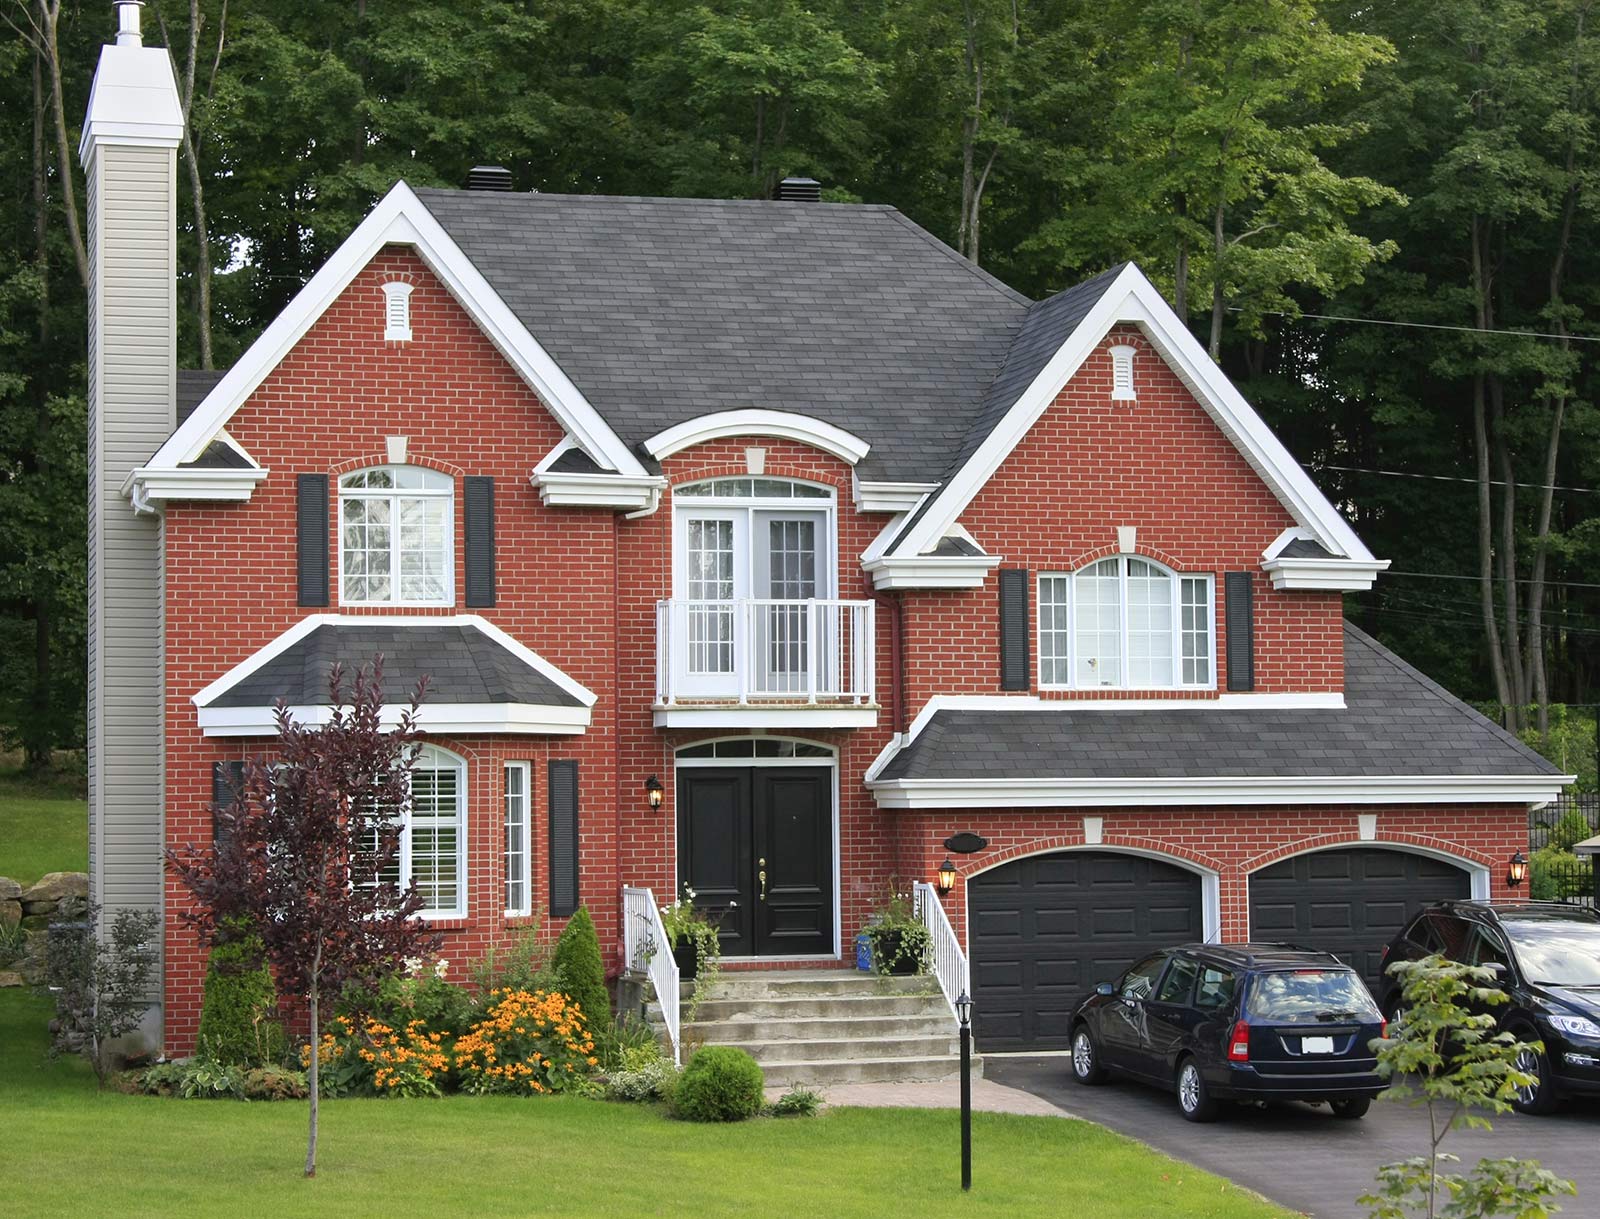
(397, 311)
(1122, 374)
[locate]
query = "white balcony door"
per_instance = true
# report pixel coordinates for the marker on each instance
(733, 562)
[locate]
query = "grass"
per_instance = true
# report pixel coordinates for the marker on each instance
(44, 826)
(73, 1151)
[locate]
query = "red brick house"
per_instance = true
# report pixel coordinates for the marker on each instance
(786, 507)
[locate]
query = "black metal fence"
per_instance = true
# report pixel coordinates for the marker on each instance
(1555, 873)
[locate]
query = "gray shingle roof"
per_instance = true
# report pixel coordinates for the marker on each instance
(662, 310)
(193, 385)
(1395, 722)
(219, 455)
(463, 665)
(1305, 548)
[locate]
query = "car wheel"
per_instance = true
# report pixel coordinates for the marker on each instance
(1350, 1110)
(1194, 1097)
(1539, 1097)
(1086, 1068)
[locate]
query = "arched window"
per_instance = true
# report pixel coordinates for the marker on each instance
(395, 537)
(1125, 622)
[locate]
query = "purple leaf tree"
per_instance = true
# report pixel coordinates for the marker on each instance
(308, 854)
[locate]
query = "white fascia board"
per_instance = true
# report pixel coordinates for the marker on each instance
(133, 101)
(1278, 544)
(1132, 298)
(400, 218)
(844, 445)
(1324, 575)
(737, 715)
(892, 574)
(148, 489)
(282, 643)
(572, 490)
(1203, 790)
(889, 496)
(452, 719)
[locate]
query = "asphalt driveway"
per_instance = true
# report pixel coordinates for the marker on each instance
(1301, 1155)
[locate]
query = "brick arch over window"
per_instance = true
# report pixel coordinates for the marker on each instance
(413, 458)
(1140, 551)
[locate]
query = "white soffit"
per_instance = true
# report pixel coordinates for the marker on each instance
(1132, 298)
(400, 218)
(844, 445)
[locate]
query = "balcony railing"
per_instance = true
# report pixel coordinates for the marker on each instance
(758, 651)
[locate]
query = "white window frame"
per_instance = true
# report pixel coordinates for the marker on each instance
(445, 492)
(525, 847)
(397, 311)
(432, 757)
(1178, 577)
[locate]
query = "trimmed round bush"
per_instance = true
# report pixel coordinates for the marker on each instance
(720, 1084)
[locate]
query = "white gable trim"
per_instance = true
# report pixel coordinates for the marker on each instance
(1132, 298)
(282, 643)
(400, 218)
(786, 424)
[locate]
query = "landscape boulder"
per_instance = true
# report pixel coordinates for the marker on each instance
(10, 913)
(53, 886)
(10, 890)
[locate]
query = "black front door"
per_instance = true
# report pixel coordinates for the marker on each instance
(756, 846)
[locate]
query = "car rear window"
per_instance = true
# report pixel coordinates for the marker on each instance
(1311, 996)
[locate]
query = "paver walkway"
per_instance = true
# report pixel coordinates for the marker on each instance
(987, 1097)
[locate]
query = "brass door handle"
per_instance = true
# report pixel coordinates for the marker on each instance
(762, 877)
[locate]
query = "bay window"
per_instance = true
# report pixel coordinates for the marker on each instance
(1127, 623)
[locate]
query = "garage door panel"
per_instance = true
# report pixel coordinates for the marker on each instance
(1349, 901)
(1045, 930)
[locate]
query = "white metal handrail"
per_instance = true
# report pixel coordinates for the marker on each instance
(647, 949)
(758, 649)
(949, 962)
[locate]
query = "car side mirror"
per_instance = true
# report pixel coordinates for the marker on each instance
(1497, 968)
(1105, 988)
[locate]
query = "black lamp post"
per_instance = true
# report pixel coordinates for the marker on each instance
(964, 1019)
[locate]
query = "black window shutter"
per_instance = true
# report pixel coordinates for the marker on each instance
(226, 780)
(311, 535)
(1014, 629)
(563, 838)
(480, 541)
(1240, 617)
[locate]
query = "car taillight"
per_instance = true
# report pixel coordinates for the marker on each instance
(1383, 957)
(1383, 1029)
(1239, 1043)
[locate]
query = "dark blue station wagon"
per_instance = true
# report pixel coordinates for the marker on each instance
(1235, 1022)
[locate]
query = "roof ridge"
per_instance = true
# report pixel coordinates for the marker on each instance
(1434, 687)
(539, 195)
(992, 281)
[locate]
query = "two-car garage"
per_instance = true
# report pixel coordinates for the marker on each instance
(1046, 928)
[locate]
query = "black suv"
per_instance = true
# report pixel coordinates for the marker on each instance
(1248, 1022)
(1549, 958)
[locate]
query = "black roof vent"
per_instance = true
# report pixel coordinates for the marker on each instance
(800, 190)
(489, 177)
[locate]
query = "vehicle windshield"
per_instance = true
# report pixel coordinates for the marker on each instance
(1312, 996)
(1557, 953)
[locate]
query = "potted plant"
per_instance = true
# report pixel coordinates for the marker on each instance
(691, 935)
(900, 943)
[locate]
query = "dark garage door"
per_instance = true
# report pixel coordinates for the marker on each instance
(1349, 901)
(1046, 929)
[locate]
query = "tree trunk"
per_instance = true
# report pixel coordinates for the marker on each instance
(1180, 264)
(971, 123)
(50, 13)
(1491, 627)
(314, 1076)
(37, 741)
(1218, 300)
(1501, 447)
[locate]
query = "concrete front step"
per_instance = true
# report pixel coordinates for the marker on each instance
(822, 1028)
(799, 1007)
(816, 983)
(864, 1071)
(789, 1049)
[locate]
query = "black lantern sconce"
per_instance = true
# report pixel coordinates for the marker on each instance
(654, 792)
(1517, 872)
(947, 877)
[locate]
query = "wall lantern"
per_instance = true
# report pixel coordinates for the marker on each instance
(654, 791)
(1518, 871)
(947, 877)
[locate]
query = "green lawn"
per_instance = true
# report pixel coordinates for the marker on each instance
(44, 827)
(71, 1151)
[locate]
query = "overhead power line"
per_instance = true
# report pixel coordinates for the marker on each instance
(1382, 321)
(1457, 478)
(1439, 575)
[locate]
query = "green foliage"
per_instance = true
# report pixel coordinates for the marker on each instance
(525, 965)
(536, 1042)
(900, 942)
(1445, 1055)
(203, 1078)
(577, 956)
(1568, 742)
(365, 1056)
(422, 992)
(720, 1084)
(1555, 875)
(238, 1015)
(101, 987)
(797, 1102)
(652, 1081)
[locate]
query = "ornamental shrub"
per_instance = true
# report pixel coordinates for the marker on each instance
(529, 1041)
(238, 1016)
(577, 957)
(720, 1084)
(421, 992)
(371, 1057)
